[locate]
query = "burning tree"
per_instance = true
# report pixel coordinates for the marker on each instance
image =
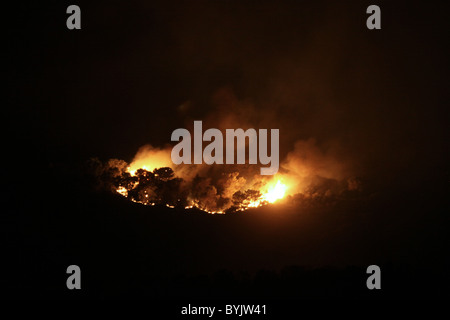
(157, 187)
(243, 200)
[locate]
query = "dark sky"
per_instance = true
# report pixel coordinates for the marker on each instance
(119, 82)
(137, 70)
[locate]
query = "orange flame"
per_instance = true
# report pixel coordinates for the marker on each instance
(275, 192)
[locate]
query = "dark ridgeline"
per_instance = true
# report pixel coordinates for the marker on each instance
(128, 250)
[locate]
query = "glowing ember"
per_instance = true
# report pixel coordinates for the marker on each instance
(123, 191)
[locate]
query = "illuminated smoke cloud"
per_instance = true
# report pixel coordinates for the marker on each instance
(307, 171)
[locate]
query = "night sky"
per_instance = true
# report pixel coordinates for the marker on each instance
(137, 70)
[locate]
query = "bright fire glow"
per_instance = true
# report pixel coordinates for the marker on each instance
(123, 191)
(275, 192)
(149, 158)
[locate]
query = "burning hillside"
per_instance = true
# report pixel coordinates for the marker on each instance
(305, 168)
(151, 179)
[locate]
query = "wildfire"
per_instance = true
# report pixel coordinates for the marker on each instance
(270, 192)
(149, 158)
(123, 191)
(276, 192)
(152, 179)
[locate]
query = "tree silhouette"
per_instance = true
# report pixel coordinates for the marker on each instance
(164, 173)
(241, 199)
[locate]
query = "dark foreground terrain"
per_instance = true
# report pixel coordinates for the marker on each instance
(127, 250)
